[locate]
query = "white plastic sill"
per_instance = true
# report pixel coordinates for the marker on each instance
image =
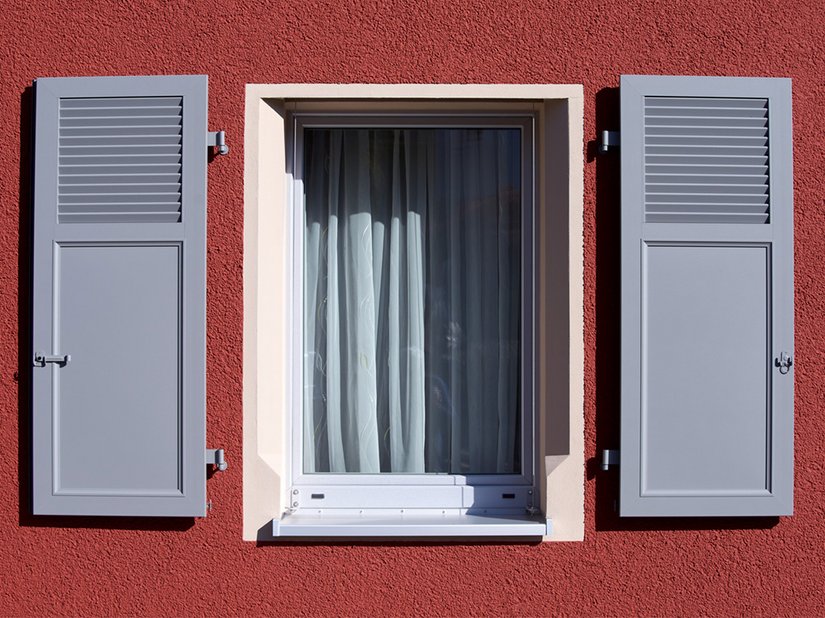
(410, 526)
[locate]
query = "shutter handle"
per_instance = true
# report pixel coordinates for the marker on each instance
(784, 362)
(40, 359)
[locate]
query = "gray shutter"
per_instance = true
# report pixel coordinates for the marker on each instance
(119, 290)
(707, 296)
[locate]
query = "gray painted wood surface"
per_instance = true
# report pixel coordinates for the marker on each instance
(119, 285)
(707, 296)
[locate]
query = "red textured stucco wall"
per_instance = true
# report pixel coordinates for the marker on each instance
(709, 567)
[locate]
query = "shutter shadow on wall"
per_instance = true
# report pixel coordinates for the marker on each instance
(119, 421)
(707, 297)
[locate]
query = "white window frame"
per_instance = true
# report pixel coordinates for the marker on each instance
(325, 491)
(270, 267)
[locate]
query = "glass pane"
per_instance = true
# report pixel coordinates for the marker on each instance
(412, 300)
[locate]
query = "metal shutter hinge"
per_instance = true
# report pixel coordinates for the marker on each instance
(609, 458)
(40, 359)
(217, 139)
(215, 457)
(610, 139)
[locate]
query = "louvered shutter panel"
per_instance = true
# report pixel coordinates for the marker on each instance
(119, 296)
(707, 297)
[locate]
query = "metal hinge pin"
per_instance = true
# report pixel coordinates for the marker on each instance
(217, 139)
(216, 457)
(610, 457)
(610, 139)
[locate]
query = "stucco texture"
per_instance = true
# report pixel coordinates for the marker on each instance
(55, 566)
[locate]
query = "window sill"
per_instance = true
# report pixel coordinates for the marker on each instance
(403, 526)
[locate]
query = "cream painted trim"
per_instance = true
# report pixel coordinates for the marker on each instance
(268, 275)
(488, 92)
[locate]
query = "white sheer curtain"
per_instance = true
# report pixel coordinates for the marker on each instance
(412, 300)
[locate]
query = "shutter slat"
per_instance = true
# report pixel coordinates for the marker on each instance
(114, 179)
(709, 112)
(122, 122)
(124, 217)
(709, 208)
(706, 217)
(703, 102)
(124, 200)
(157, 130)
(705, 122)
(690, 190)
(104, 207)
(118, 168)
(108, 151)
(681, 141)
(708, 198)
(686, 131)
(121, 112)
(655, 169)
(136, 140)
(132, 102)
(79, 159)
(113, 189)
(708, 149)
(706, 179)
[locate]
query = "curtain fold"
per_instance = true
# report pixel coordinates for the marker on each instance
(412, 300)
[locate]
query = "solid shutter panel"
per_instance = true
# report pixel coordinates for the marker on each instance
(707, 296)
(119, 289)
